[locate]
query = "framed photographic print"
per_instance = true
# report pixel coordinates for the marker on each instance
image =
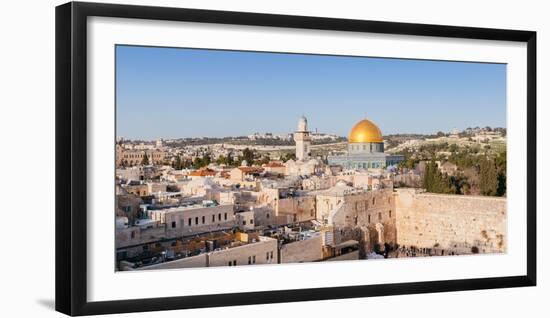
(212, 158)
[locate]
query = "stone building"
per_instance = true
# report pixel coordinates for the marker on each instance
(303, 140)
(134, 157)
(128, 204)
(245, 220)
(303, 168)
(257, 250)
(359, 214)
(298, 208)
(274, 168)
(318, 183)
(191, 219)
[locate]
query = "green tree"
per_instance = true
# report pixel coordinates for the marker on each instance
(501, 184)
(263, 160)
(145, 160)
(434, 181)
(428, 181)
(198, 163)
(488, 177)
(248, 155)
(221, 160)
(206, 159)
(225, 160)
(453, 148)
(500, 162)
(177, 163)
(288, 156)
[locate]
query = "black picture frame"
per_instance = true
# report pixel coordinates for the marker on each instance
(71, 157)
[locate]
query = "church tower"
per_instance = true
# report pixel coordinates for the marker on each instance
(302, 139)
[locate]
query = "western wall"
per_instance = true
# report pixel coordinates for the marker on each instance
(458, 223)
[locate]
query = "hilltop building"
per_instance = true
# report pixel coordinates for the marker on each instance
(365, 149)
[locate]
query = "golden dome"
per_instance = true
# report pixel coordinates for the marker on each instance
(365, 131)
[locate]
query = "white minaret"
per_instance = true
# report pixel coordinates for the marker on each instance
(302, 139)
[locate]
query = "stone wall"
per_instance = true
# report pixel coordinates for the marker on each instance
(300, 208)
(265, 216)
(308, 250)
(261, 252)
(455, 223)
(187, 262)
(352, 256)
(373, 210)
(134, 235)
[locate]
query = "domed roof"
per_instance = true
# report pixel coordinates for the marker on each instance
(365, 131)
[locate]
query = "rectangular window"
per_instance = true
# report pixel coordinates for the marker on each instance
(390, 214)
(369, 218)
(203, 219)
(189, 223)
(197, 220)
(254, 259)
(173, 224)
(251, 221)
(267, 256)
(225, 216)
(244, 222)
(213, 218)
(271, 254)
(249, 260)
(219, 216)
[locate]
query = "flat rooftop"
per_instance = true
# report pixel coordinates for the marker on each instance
(184, 207)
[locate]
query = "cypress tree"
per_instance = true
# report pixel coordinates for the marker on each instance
(145, 160)
(488, 177)
(177, 163)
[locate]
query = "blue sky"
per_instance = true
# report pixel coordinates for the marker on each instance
(172, 92)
